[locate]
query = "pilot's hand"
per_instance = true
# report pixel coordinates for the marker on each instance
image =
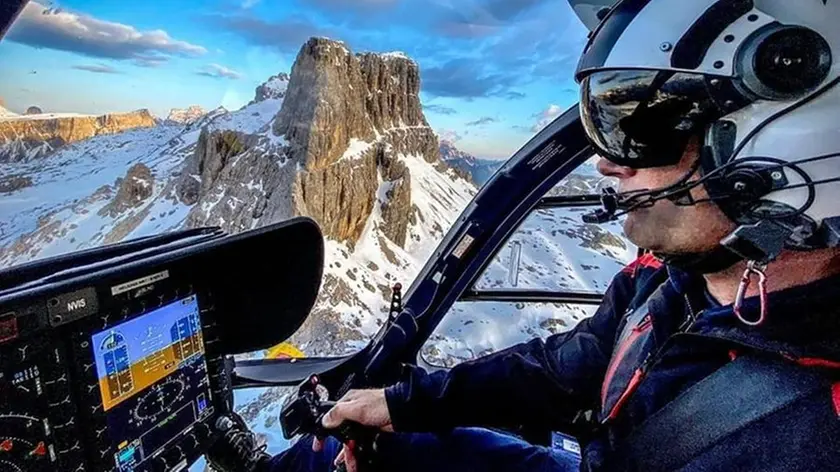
(366, 407)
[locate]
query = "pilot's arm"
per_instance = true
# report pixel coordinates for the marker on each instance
(538, 384)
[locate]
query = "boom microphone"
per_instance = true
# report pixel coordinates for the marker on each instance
(608, 210)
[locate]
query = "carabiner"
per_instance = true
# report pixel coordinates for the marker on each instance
(753, 267)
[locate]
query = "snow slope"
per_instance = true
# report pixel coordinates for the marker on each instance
(552, 250)
(556, 253)
(71, 212)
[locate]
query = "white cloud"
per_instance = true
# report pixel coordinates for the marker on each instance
(546, 116)
(482, 121)
(97, 68)
(149, 61)
(219, 71)
(55, 28)
(246, 4)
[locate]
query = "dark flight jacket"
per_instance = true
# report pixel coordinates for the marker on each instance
(656, 334)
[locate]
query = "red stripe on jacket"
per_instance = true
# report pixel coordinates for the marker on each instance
(646, 261)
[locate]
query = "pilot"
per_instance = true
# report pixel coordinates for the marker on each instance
(719, 349)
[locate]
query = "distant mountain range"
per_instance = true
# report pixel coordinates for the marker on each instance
(33, 136)
(185, 116)
(479, 170)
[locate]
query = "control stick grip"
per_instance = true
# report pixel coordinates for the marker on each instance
(362, 436)
(347, 430)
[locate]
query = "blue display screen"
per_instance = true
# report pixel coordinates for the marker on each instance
(153, 379)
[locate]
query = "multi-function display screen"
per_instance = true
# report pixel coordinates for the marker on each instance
(153, 378)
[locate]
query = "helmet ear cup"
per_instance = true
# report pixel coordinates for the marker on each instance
(781, 62)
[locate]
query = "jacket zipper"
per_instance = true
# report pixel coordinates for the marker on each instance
(622, 351)
(650, 360)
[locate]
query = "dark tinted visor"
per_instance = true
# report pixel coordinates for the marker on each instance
(645, 118)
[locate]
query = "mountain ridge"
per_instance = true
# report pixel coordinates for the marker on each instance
(478, 169)
(184, 116)
(28, 137)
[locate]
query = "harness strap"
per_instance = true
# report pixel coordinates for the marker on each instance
(736, 395)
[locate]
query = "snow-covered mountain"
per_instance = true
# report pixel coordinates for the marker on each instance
(273, 88)
(184, 116)
(479, 170)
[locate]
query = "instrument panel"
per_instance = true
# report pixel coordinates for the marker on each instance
(113, 383)
(119, 358)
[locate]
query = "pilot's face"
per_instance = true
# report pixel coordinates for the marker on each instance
(666, 227)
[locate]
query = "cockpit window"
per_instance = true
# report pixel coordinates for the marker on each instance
(380, 120)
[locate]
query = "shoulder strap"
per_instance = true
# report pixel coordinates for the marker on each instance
(742, 392)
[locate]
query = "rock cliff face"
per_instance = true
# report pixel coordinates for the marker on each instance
(132, 190)
(346, 119)
(27, 137)
(273, 88)
(333, 149)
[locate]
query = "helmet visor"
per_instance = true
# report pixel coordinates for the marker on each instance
(645, 118)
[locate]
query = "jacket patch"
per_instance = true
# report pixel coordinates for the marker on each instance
(835, 397)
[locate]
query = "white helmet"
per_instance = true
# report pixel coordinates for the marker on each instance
(758, 77)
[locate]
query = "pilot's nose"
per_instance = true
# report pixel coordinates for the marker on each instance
(611, 169)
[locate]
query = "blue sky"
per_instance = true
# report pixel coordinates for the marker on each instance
(492, 71)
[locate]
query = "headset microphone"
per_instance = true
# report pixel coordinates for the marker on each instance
(608, 210)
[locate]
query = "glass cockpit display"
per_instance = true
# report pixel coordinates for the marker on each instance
(153, 379)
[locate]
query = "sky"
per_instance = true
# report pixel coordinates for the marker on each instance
(493, 72)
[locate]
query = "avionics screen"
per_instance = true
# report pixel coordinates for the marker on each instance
(153, 378)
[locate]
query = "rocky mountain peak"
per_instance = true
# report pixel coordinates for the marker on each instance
(448, 152)
(394, 84)
(335, 96)
(185, 116)
(347, 119)
(272, 89)
(349, 124)
(132, 190)
(324, 105)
